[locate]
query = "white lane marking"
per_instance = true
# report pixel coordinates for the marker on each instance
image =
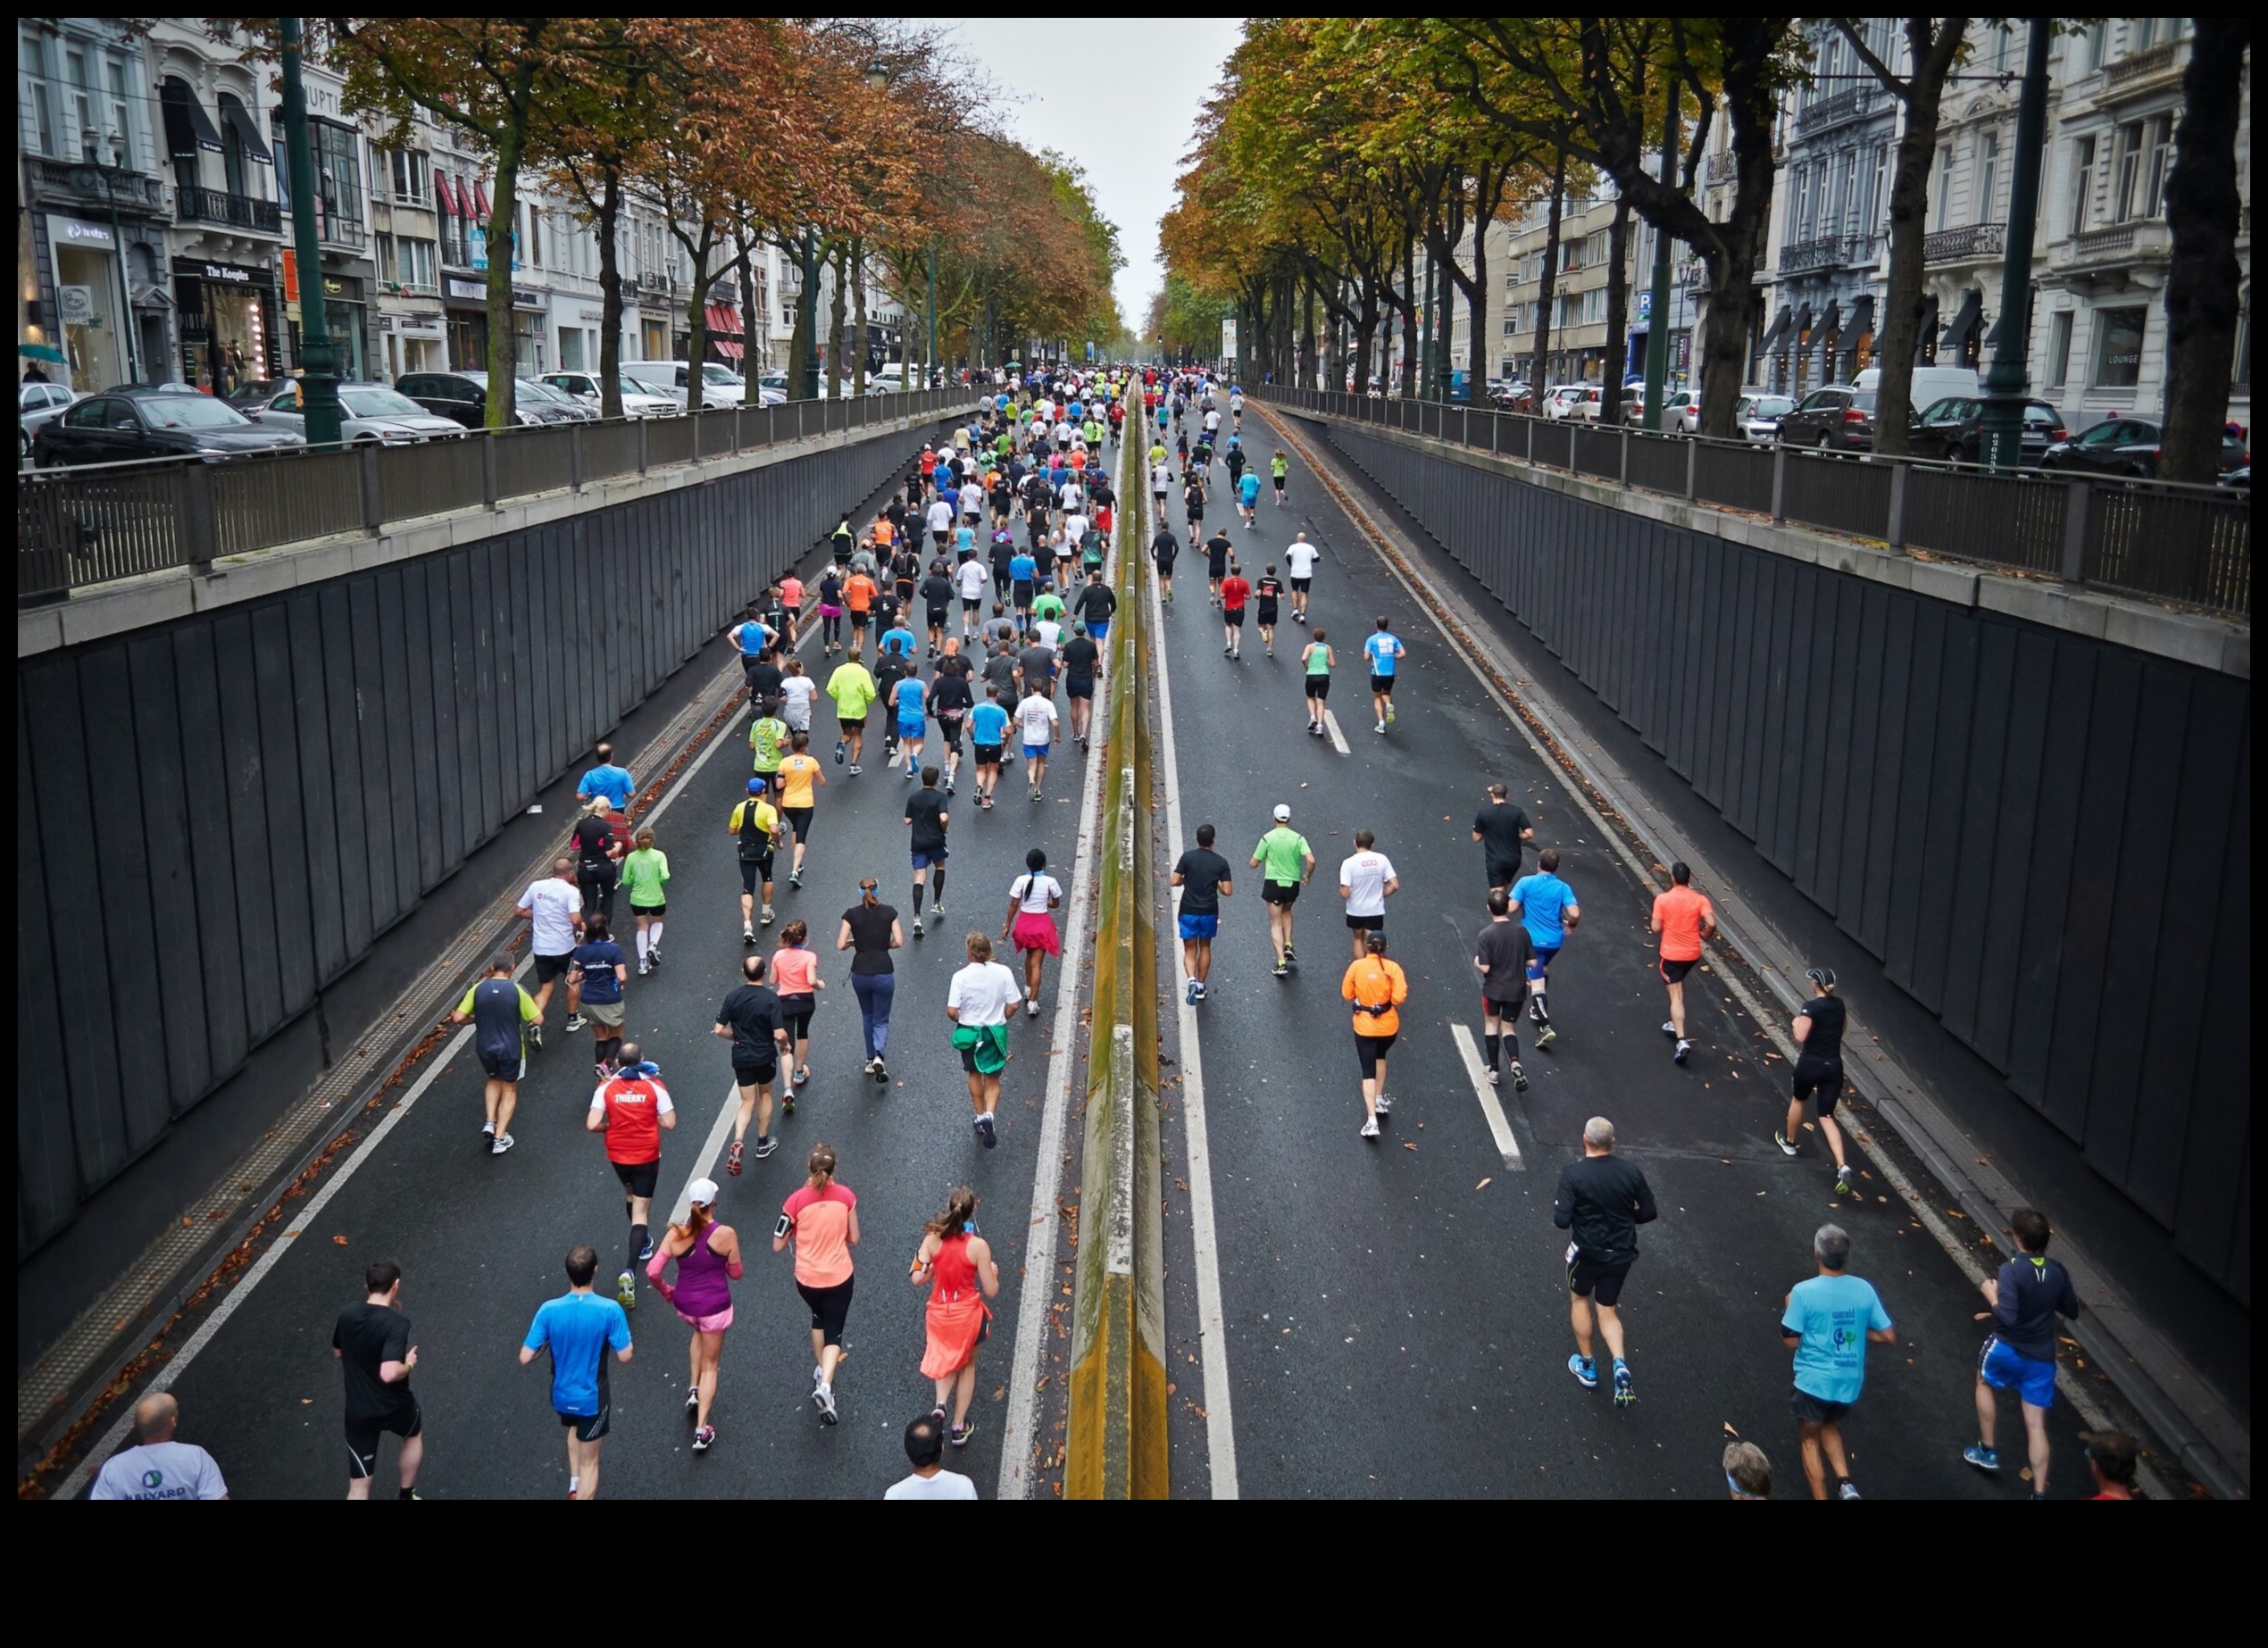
(721, 1127)
(1213, 1324)
(1016, 1475)
(1337, 738)
(1507, 1147)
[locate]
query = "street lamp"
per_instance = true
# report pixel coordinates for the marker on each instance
(878, 76)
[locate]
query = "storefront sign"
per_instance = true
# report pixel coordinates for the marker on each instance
(522, 298)
(230, 273)
(79, 235)
(343, 288)
(413, 326)
(469, 291)
(591, 317)
(76, 304)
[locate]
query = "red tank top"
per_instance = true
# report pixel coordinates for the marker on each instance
(951, 1275)
(634, 1120)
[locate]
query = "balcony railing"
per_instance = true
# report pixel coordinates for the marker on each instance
(1847, 105)
(200, 205)
(1952, 246)
(2091, 243)
(51, 177)
(1826, 252)
(2139, 66)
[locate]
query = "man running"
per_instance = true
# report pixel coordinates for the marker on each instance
(501, 1013)
(755, 826)
(767, 745)
(372, 1342)
(980, 1000)
(1827, 1321)
(1265, 595)
(1299, 566)
(605, 778)
(1817, 1031)
(1234, 590)
(1384, 649)
(1023, 579)
(937, 592)
(1036, 722)
(1203, 876)
(1546, 906)
(909, 707)
(989, 724)
(1163, 548)
(1285, 863)
(554, 910)
(159, 1466)
(632, 1108)
(1318, 660)
(1366, 880)
(2030, 1291)
(1500, 826)
(926, 818)
(1216, 562)
(1248, 499)
(751, 1020)
(1684, 918)
(1094, 606)
(1501, 955)
(1601, 1202)
(968, 581)
(801, 777)
(950, 700)
(1080, 657)
(578, 1328)
(853, 691)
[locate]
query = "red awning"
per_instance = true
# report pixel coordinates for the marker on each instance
(479, 199)
(447, 192)
(724, 320)
(728, 347)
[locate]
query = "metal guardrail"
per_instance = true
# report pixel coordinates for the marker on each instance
(95, 524)
(2191, 545)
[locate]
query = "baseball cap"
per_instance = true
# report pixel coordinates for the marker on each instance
(702, 1193)
(1283, 813)
(755, 786)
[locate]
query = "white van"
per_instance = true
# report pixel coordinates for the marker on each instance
(1930, 383)
(719, 387)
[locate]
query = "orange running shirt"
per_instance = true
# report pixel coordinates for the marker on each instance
(1682, 912)
(821, 1221)
(860, 592)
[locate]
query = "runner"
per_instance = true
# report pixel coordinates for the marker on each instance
(632, 1108)
(1080, 658)
(1747, 1473)
(939, 516)
(157, 1466)
(754, 826)
(1317, 660)
(989, 724)
(1280, 467)
(821, 1221)
(909, 709)
(1203, 876)
(578, 1328)
(1827, 1320)
(801, 778)
(1377, 988)
(950, 700)
(708, 1261)
(1248, 498)
(926, 818)
(1601, 1202)
(1094, 606)
(1366, 880)
(1502, 956)
(853, 691)
(598, 852)
(1036, 720)
(645, 875)
(605, 778)
(1684, 918)
(1216, 561)
(1193, 499)
(830, 612)
(1285, 863)
(1384, 649)
(1031, 896)
(595, 972)
(791, 605)
(1048, 617)
(870, 929)
(2030, 1291)
(751, 1020)
(796, 981)
(1024, 575)
(956, 1263)
(1817, 1031)
(501, 1013)
(969, 580)
(1299, 566)
(860, 592)
(978, 1000)
(1266, 592)
(1500, 826)
(1546, 906)
(1160, 481)
(2112, 1458)
(1233, 590)
(372, 1342)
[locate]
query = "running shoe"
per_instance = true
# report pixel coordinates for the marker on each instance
(802, 1075)
(1385, 1103)
(1682, 1049)
(796, 877)
(1494, 1080)
(1586, 1371)
(646, 967)
(1518, 1077)
(871, 1063)
(602, 1071)
(703, 1438)
(1389, 711)
(732, 1155)
(1290, 954)
(1843, 1186)
(1369, 1127)
(881, 1074)
(936, 910)
(1189, 993)
(766, 918)
(1035, 792)
(626, 1291)
(787, 1098)
(1669, 1031)
(823, 1397)
(501, 1144)
(1624, 1393)
(576, 1022)
(854, 770)
(1280, 971)
(764, 1147)
(1548, 1036)
(647, 1252)
(960, 1434)
(1031, 1007)
(488, 1129)
(918, 929)
(842, 750)
(1983, 1458)
(990, 1131)
(692, 1400)
(655, 952)
(1787, 1147)
(535, 1035)
(1202, 991)
(1846, 1490)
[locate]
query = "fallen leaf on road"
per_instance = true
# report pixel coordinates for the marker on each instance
(1485, 1183)
(339, 1240)
(1729, 1431)
(1409, 1146)
(306, 1402)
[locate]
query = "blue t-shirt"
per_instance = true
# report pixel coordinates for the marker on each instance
(899, 640)
(1248, 489)
(948, 493)
(1383, 646)
(580, 1328)
(598, 962)
(1543, 899)
(964, 540)
(988, 723)
(609, 781)
(908, 695)
(1833, 1314)
(1022, 570)
(753, 636)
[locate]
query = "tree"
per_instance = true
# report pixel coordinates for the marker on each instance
(2203, 211)
(1933, 46)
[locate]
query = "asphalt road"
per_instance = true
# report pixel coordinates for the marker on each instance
(1396, 1310)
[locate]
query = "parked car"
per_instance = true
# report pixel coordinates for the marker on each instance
(719, 385)
(1836, 419)
(1512, 397)
(1927, 383)
(1680, 410)
(367, 413)
(38, 404)
(1579, 401)
(120, 424)
(244, 394)
(888, 378)
(463, 397)
(638, 401)
(1952, 428)
(2123, 446)
(542, 396)
(1758, 415)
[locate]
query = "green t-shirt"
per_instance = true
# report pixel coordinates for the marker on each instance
(1047, 606)
(1283, 852)
(769, 739)
(852, 691)
(1317, 657)
(1280, 467)
(646, 874)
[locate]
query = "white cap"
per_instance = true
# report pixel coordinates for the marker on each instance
(702, 1193)
(1283, 813)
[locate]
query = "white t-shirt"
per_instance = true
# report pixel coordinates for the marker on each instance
(1048, 632)
(553, 904)
(1364, 877)
(1036, 716)
(796, 693)
(1072, 496)
(1212, 422)
(940, 516)
(167, 1470)
(984, 992)
(971, 578)
(1299, 560)
(972, 498)
(945, 1484)
(1160, 478)
(1074, 529)
(1032, 893)
(662, 1105)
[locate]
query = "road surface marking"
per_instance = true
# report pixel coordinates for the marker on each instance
(1337, 738)
(1213, 1327)
(1507, 1147)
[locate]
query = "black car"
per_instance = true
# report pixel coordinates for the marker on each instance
(1952, 428)
(121, 424)
(1836, 419)
(2123, 446)
(464, 397)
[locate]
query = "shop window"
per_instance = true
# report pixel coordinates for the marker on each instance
(2082, 181)
(2059, 349)
(2118, 347)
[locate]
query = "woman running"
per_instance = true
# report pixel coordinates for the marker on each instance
(1376, 987)
(796, 981)
(708, 1264)
(821, 1221)
(646, 877)
(1029, 927)
(830, 612)
(1319, 660)
(870, 929)
(956, 1263)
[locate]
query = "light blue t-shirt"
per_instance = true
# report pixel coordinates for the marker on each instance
(1248, 489)
(1542, 900)
(964, 540)
(1383, 646)
(988, 723)
(1022, 569)
(161, 1470)
(907, 694)
(608, 780)
(754, 637)
(580, 1328)
(899, 640)
(1832, 1313)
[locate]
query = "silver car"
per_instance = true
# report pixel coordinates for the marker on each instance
(638, 401)
(1758, 416)
(541, 395)
(38, 404)
(367, 413)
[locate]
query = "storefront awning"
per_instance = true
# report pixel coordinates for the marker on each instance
(724, 320)
(448, 191)
(1826, 328)
(1925, 331)
(1804, 333)
(1777, 337)
(239, 120)
(479, 199)
(188, 127)
(1992, 333)
(1862, 321)
(730, 348)
(1964, 323)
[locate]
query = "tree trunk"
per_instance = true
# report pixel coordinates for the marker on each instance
(834, 362)
(697, 321)
(1444, 292)
(1540, 379)
(610, 296)
(2202, 210)
(1750, 97)
(502, 412)
(1412, 303)
(1618, 313)
(858, 322)
(800, 339)
(743, 269)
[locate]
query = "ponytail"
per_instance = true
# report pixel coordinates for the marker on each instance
(959, 1211)
(697, 1219)
(822, 1163)
(866, 899)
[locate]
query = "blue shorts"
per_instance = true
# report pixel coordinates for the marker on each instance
(1540, 960)
(2001, 1367)
(1099, 628)
(1036, 752)
(1200, 926)
(911, 730)
(924, 860)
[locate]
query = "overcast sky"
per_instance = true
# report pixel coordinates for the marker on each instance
(1118, 95)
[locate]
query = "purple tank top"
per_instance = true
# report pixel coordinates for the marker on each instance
(703, 1286)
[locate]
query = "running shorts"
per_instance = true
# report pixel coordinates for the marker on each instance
(1319, 687)
(852, 723)
(796, 1011)
(1366, 924)
(1540, 960)
(362, 1438)
(937, 615)
(1036, 752)
(1812, 1410)
(551, 967)
(986, 755)
(1285, 893)
(1267, 618)
(1382, 685)
(1279, 483)
(1300, 586)
(638, 1178)
(799, 820)
(589, 1427)
(1674, 973)
(653, 911)
(909, 730)
(949, 730)
(749, 1073)
(1587, 1278)
(1823, 1076)
(754, 872)
(1502, 875)
(1200, 926)
(2001, 1367)
(1232, 615)
(1099, 628)
(1078, 687)
(829, 1309)
(1370, 1049)
(924, 860)
(505, 1066)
